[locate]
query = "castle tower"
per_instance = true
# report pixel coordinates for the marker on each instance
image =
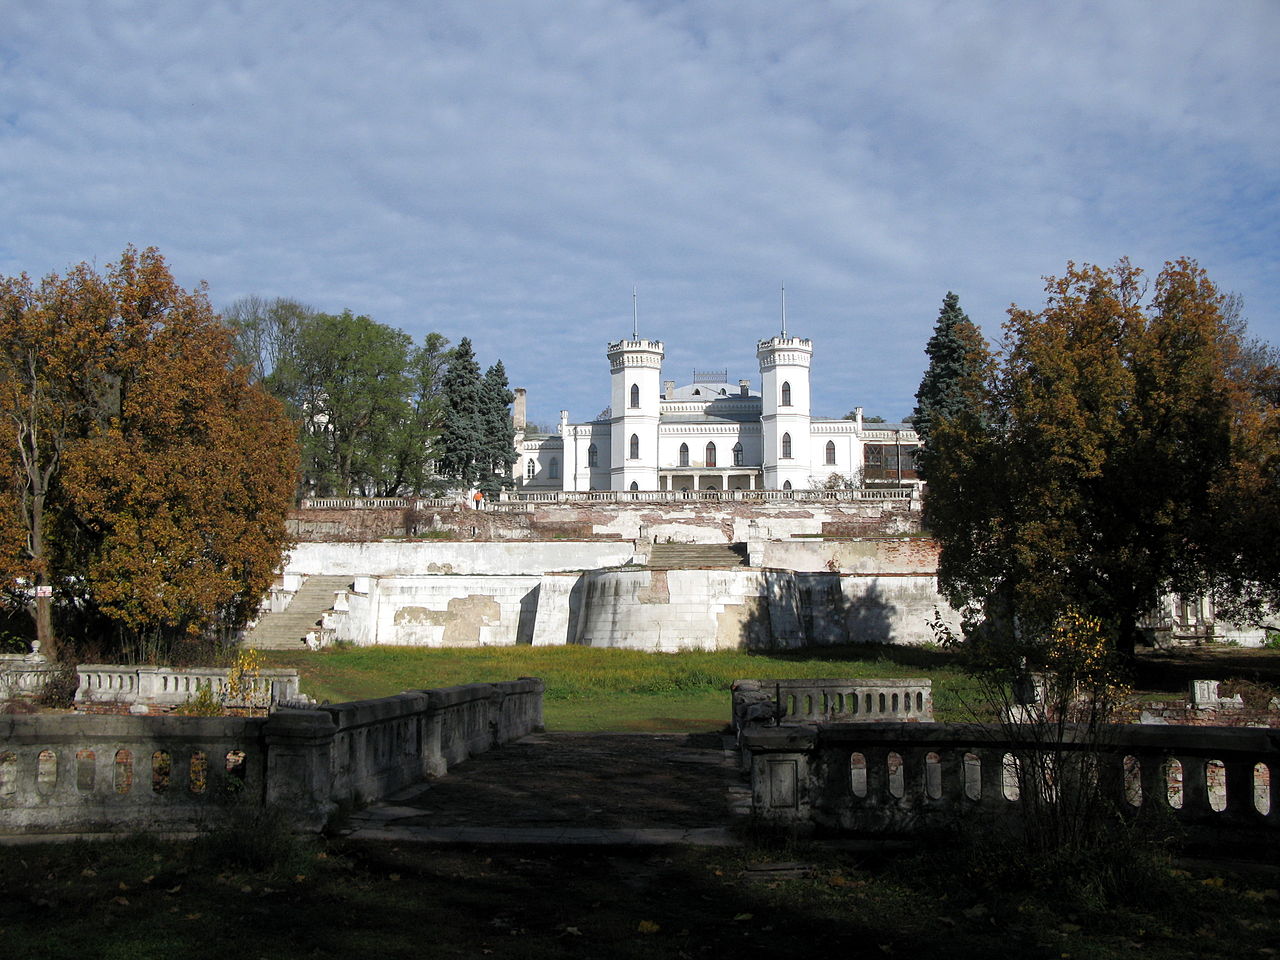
(784, 414)
(636, 372)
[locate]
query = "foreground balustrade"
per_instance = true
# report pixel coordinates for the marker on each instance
(903, 777)
(64, 773)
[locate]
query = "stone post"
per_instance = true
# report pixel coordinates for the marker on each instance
(299, 761)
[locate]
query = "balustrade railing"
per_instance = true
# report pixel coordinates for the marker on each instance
(73, 773)
(827, 700)
(900, 778)
(173, 686)
(374, 503)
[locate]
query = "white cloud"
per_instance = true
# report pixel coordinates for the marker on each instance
(507, 171)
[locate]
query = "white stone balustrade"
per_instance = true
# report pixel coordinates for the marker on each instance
(174, 686)
(24, 675)
(814, 700)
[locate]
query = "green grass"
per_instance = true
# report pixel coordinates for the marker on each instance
(590, 688)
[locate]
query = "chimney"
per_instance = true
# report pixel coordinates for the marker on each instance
(668, 388)
(518, 410)
(744, 388)
(857, 416)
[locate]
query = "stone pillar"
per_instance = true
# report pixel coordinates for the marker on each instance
(780, 759)
(299, 749)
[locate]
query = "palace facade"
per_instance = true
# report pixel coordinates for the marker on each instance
(711, 434)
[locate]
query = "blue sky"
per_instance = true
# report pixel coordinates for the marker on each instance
(509, 171)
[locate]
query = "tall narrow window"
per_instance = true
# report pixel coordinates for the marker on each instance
(786, 393)
(831, 453)
(786, 446)
(593, 456)
(635, 395)
(684, 454)
(635, 447)
(530, 469)
(737, 454)
(711, 454)
(553, 468)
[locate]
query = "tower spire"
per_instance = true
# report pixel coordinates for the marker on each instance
(784, 311)
(635, 316)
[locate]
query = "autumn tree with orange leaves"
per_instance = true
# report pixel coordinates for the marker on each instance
(145, 480)
(1122, 449)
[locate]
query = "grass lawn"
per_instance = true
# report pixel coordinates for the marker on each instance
(590, 688)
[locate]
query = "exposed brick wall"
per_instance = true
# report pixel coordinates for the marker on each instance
(723, 522)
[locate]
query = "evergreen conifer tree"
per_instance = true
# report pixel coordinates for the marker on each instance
(499, 431)
(955, 380)
(465, 452)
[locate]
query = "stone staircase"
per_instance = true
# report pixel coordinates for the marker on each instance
(287, 629)
(695, 556)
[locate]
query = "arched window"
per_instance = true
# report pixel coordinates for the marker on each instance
(737, 454)
(634, 485)
(553, 469)
(530, 469)
(786, 485)
(684, 454)
(635, 395)
(786, 393)
(593, 456)
(786, 446)
(711, 454)
(831, 453)
(635, 447)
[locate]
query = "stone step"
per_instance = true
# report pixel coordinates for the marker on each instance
(288, 628)
(693, 556)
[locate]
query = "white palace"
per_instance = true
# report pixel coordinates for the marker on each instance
(711, 434)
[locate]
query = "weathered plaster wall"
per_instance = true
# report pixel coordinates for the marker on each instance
(883, 591)
(429, 557)
(441, 611)
(869, 555)
(672, 610)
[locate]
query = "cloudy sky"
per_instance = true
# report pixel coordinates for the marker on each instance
(509, 171)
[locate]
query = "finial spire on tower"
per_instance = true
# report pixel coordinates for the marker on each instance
(784, 311)
(635, 316)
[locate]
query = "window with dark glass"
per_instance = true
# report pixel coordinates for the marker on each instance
(786, 446)
(684, 455)
(711, 454)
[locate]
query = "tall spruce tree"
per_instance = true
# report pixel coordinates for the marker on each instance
(955, 380)
(499, 431)
(465, 453)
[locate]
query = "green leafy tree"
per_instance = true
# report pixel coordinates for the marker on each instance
(1084, 481)
(367, 401)
(956, 378)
